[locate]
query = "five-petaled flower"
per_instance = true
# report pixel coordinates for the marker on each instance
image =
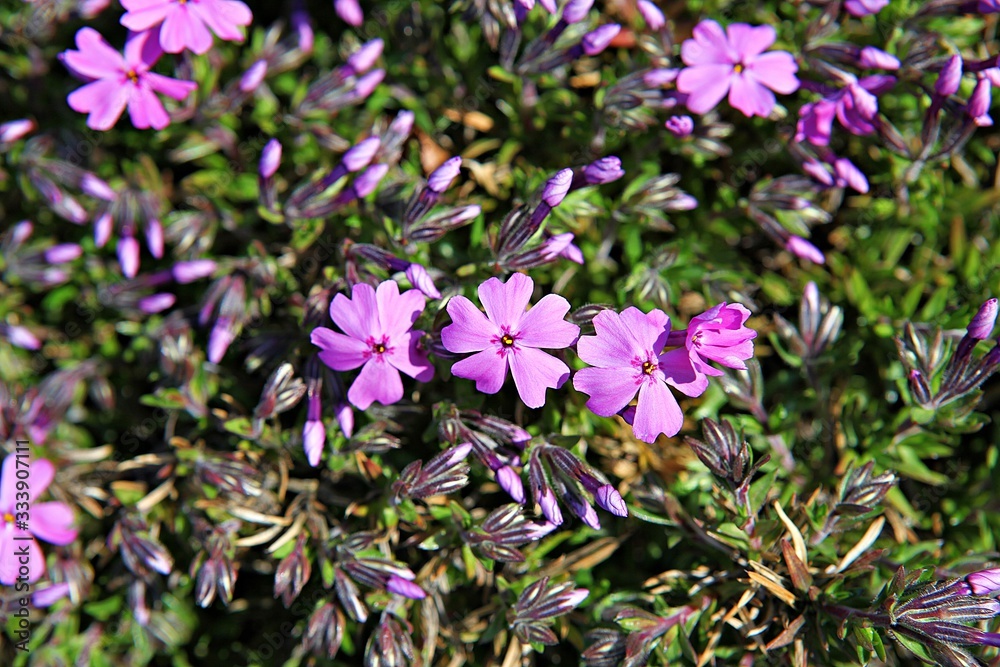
(22, 520)
(734, 62)
(379, 337)
(507, 336)
(117, 81)
(720, 335)
(186, 23)
(626, 358)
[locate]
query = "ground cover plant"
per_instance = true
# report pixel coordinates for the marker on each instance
(499, 332)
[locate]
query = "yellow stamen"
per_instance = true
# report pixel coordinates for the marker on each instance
(648, 367)
(507, 340)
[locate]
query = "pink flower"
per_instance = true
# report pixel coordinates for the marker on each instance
(118, 81)
(186, 23)
(720, 335)
(626, 359)
(377, 336)
(854, 106)
(508, 337)
(51, 522)
(734, 62)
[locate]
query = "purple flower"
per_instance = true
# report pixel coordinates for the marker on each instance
(364, 58)
(803, 249)
(51, 522)
(864, 7)
(625, 359)
(16, 129)
(734, 62)
(441, 178)
(117, 81)
(720, 335)
(680, 126)
(349, 11)
(508, 337)
(604, 170)
(854, 106)
(978, 108)
(253, 76)
(377, 336)
(950, 77)
(599, 38)
(871, 58)
(186, 23)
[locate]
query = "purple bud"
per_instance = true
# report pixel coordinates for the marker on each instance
(985, 582)
(510, 482)
(96, 187)
(607, 497)
(156, 302)
(154, 238)
(402, 124)
(864, 7)
(368, 83)
(548, 5)
(848, 174)
(982, 323)
(950, 77)
(441, 178)
(50, 595)
(550, 508)
(576, 10)
(20, 232)
(349, 11)
(62, 253)
(313, 439)
(652, 15)
(360, 155)
(300, 21)
(70, 208)
(366, 183)
(362, 60)
(15, 129)
(605, 170)
(872, 58)
(128, 256)
(102, 230)
(598, 39)
(344, 415)
(803, 249)
(407, 589)
(22, 337)
(253, 76)
(192, 270)
(270, 158)
(220, 339)
(657, 78)
(419, 278)
(680, 126)
(979, 104)
(556, 187)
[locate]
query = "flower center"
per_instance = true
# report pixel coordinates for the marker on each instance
(378, 348)
(8, 517)
(738, 67)
(507, 340)
(648, 367)
(132, 76)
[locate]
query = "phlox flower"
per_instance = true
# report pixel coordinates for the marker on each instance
(734, 62)
(720, 334)
(117, 81)
(186, 23)
(51, 521)
(507, 336)
(854, 106)
(626, 359)
(378, 337)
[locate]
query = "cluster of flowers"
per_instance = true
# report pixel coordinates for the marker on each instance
(626, 355)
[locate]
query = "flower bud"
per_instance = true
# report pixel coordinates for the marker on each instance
(680, 126)
(803, 249)
(651, 14)
(362, 60)
(950, 77)
(556, 187)
(128, 256)
(605, 170)
(349, 11)
(595, 41)
(254, 76)
(441, 178)
(270, 158)
(872, 58)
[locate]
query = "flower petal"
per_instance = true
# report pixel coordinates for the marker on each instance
(656, 412)
(543, 325)
(533, 372)
(224, 17)
(9, 560)
(397, 312)
(357, 316)
(679, 370)
(407, 355)
(95, 57)
(145, 108)
(749, 41)
(610, 389)
(340, 352)
(378, 381)
(505, 302)
(53, 522)
(470, 330)
(649, 329)
(488, 368)
(142, 49)
(708, 47)
(613, 346)
(705, 85)
(776, 70)
(175, 88)
(183, 29)
(750, 97)
(144, 14)
(8, 483)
